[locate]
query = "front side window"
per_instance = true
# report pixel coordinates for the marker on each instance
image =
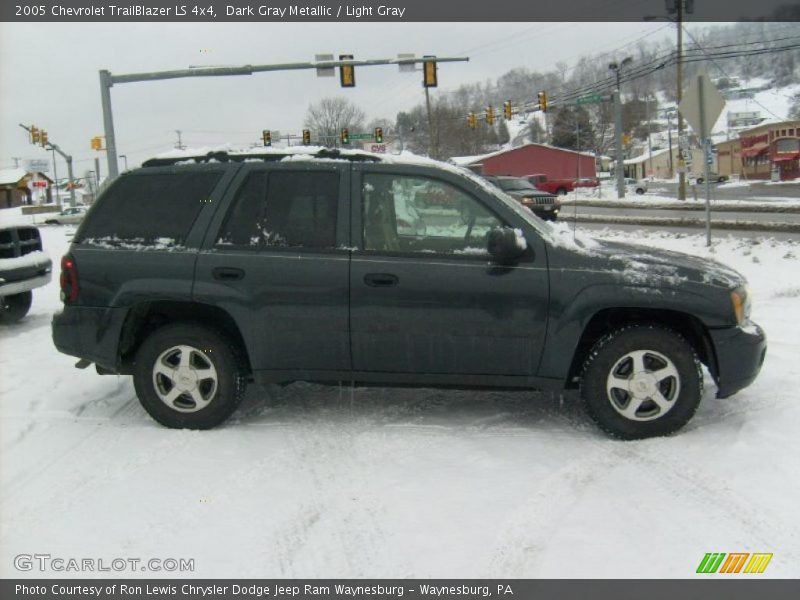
(415, 214)
(283, 209)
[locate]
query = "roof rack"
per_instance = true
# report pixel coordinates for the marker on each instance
(223, 157)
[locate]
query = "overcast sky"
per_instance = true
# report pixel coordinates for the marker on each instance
(49, 75)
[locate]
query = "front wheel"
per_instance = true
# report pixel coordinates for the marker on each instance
(188, 376)
(641, 381)
(15, 306)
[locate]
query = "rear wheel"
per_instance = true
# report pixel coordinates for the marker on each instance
(641, 381)
(15, 306)
(188, 376)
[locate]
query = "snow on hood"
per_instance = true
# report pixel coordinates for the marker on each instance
(650, 266)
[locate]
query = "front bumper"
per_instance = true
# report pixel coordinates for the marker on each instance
(26, 285)
(740, 353)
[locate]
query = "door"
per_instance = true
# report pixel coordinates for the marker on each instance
(425, 296)
(276, 260)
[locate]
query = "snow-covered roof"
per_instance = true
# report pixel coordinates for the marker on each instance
(471, 160)
(646, 156)
(11, 176)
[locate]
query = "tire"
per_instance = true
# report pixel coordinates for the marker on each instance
(666, 364)
(700, 181)
(640, 191)
(188, 376)
(14, 307)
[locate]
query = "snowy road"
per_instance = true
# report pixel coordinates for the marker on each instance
(331, 482)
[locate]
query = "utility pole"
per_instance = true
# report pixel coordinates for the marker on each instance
(16, 161)
(431, 139)
(679, 94)
(619, 162)
(649, 132)
(669, 137)
(125, 158)
(55, 174)
(179, 144)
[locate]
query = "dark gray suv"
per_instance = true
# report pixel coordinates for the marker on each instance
(197, 275)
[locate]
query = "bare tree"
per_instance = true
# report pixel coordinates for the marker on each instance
(329, 116)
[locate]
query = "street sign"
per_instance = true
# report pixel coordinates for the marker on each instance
(362, 136)
(41, 165)
(324, 71)
(701, 105)
(593, 99)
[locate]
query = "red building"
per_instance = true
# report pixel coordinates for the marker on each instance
(532, 159)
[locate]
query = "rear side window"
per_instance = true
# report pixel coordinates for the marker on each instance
(285, 209)
(154, 210)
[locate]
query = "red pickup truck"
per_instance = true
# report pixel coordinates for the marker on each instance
(554, 186)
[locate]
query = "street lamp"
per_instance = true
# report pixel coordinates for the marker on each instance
(619, 164)
(125, 158)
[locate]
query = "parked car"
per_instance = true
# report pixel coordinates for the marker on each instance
(24, 266)
(587, 182)
(196, 275)
(636, 186)
(543, 204)
(559, 187)
(712, 177)
(68, 216)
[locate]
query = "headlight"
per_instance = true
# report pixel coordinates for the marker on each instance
(740, 298)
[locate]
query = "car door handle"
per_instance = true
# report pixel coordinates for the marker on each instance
(227, 273)
(381, 279)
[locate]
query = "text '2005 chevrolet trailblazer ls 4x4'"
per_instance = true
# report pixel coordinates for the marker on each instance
(196, 278)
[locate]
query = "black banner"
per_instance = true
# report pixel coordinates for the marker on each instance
(392, 11)
(378, 589)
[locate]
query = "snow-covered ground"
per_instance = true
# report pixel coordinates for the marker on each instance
(331, 482)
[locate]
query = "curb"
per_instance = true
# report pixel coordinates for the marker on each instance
(774, 226)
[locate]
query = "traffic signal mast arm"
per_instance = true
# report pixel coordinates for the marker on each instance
(64, 155)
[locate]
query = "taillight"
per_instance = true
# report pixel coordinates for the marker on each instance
(68, 280)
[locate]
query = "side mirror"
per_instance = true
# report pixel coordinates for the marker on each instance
(506, 244)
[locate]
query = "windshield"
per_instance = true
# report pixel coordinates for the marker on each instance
(520, 185)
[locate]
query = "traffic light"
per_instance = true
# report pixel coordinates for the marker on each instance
(306, 137)
(490, 115)
(472, 120)
(345, 137)
(266, 135)
(429, 78)
(35, 135)
(97, 143)
(379, 135)
(347, 73)
(543, 101)
(43, 138)
(507, 111)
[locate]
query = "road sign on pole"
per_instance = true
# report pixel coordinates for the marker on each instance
(701, 106)
(592, 99)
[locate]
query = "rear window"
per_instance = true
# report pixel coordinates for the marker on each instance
(155, 210)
